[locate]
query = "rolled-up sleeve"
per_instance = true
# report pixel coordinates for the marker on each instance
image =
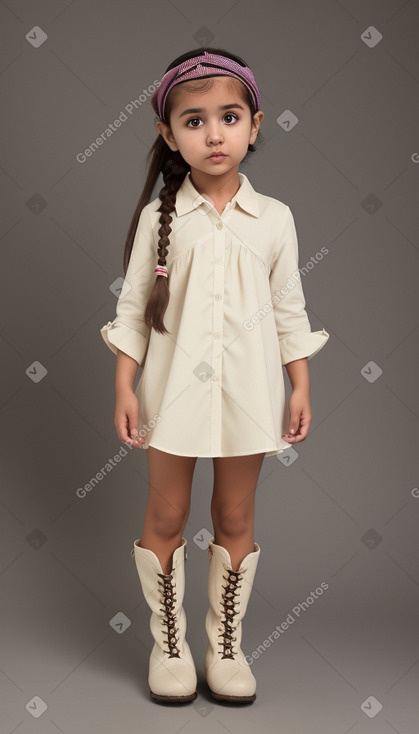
(296, 340)
(128, 331)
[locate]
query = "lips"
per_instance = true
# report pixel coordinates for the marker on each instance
(217, 155)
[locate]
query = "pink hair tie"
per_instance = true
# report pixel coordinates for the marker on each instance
(161, 270)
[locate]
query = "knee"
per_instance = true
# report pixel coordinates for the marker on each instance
(231, 522)
(169, 522)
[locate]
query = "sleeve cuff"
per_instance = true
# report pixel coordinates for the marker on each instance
(120, 336)
(299, 345)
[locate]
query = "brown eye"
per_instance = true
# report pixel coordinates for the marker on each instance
(191, 120)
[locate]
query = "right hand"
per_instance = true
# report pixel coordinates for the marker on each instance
(126, 418)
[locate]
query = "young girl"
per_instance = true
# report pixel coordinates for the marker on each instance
(219, 262)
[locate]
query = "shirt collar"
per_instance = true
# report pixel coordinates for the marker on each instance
(188, 198)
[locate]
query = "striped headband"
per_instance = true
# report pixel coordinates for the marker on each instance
(202, 66)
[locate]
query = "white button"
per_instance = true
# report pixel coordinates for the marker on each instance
(215, 378)
(219, 225)
(217, 334)
(218, 297)
(218, 259)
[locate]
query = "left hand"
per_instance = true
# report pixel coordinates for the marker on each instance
(300, 416)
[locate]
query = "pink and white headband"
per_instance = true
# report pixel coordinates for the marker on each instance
(202, 66)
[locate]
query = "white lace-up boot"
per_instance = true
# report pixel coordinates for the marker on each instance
(172, 674)
(227, 672)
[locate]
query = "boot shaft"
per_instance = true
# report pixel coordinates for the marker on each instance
(229, 591)
(154, 581)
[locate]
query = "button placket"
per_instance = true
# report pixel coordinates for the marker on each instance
(217, 333)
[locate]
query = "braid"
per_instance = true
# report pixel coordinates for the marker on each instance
(173, 175)
(174, 172)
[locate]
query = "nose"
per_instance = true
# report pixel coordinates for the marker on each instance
(215, 135)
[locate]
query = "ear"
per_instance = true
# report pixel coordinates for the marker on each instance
(166, 132)
(257, 120)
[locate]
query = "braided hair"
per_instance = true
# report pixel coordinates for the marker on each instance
(174, 169)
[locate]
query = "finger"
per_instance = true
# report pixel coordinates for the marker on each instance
(137, 440)
(121, 428)
(124, 433)
(293, 429)
(302, 434)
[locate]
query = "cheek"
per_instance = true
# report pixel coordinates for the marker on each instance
(190, 142)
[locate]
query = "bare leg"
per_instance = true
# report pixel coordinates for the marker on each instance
(169, 497)
(233, 504)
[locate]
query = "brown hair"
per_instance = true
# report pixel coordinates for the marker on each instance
(174, 169)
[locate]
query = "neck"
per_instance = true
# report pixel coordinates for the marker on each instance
(218, 188)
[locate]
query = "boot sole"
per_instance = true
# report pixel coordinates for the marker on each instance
(173, 699)
(237, 699)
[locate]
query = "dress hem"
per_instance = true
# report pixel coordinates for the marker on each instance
(211, 456)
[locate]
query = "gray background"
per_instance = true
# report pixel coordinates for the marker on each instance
(345, 511)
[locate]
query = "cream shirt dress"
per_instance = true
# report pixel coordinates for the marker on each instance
(214, 385)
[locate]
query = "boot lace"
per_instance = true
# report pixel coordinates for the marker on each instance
(228, 603)
(169, 619)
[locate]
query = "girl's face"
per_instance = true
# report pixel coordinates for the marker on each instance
(216, 120)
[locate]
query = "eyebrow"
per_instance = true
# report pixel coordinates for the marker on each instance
(202, 109)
